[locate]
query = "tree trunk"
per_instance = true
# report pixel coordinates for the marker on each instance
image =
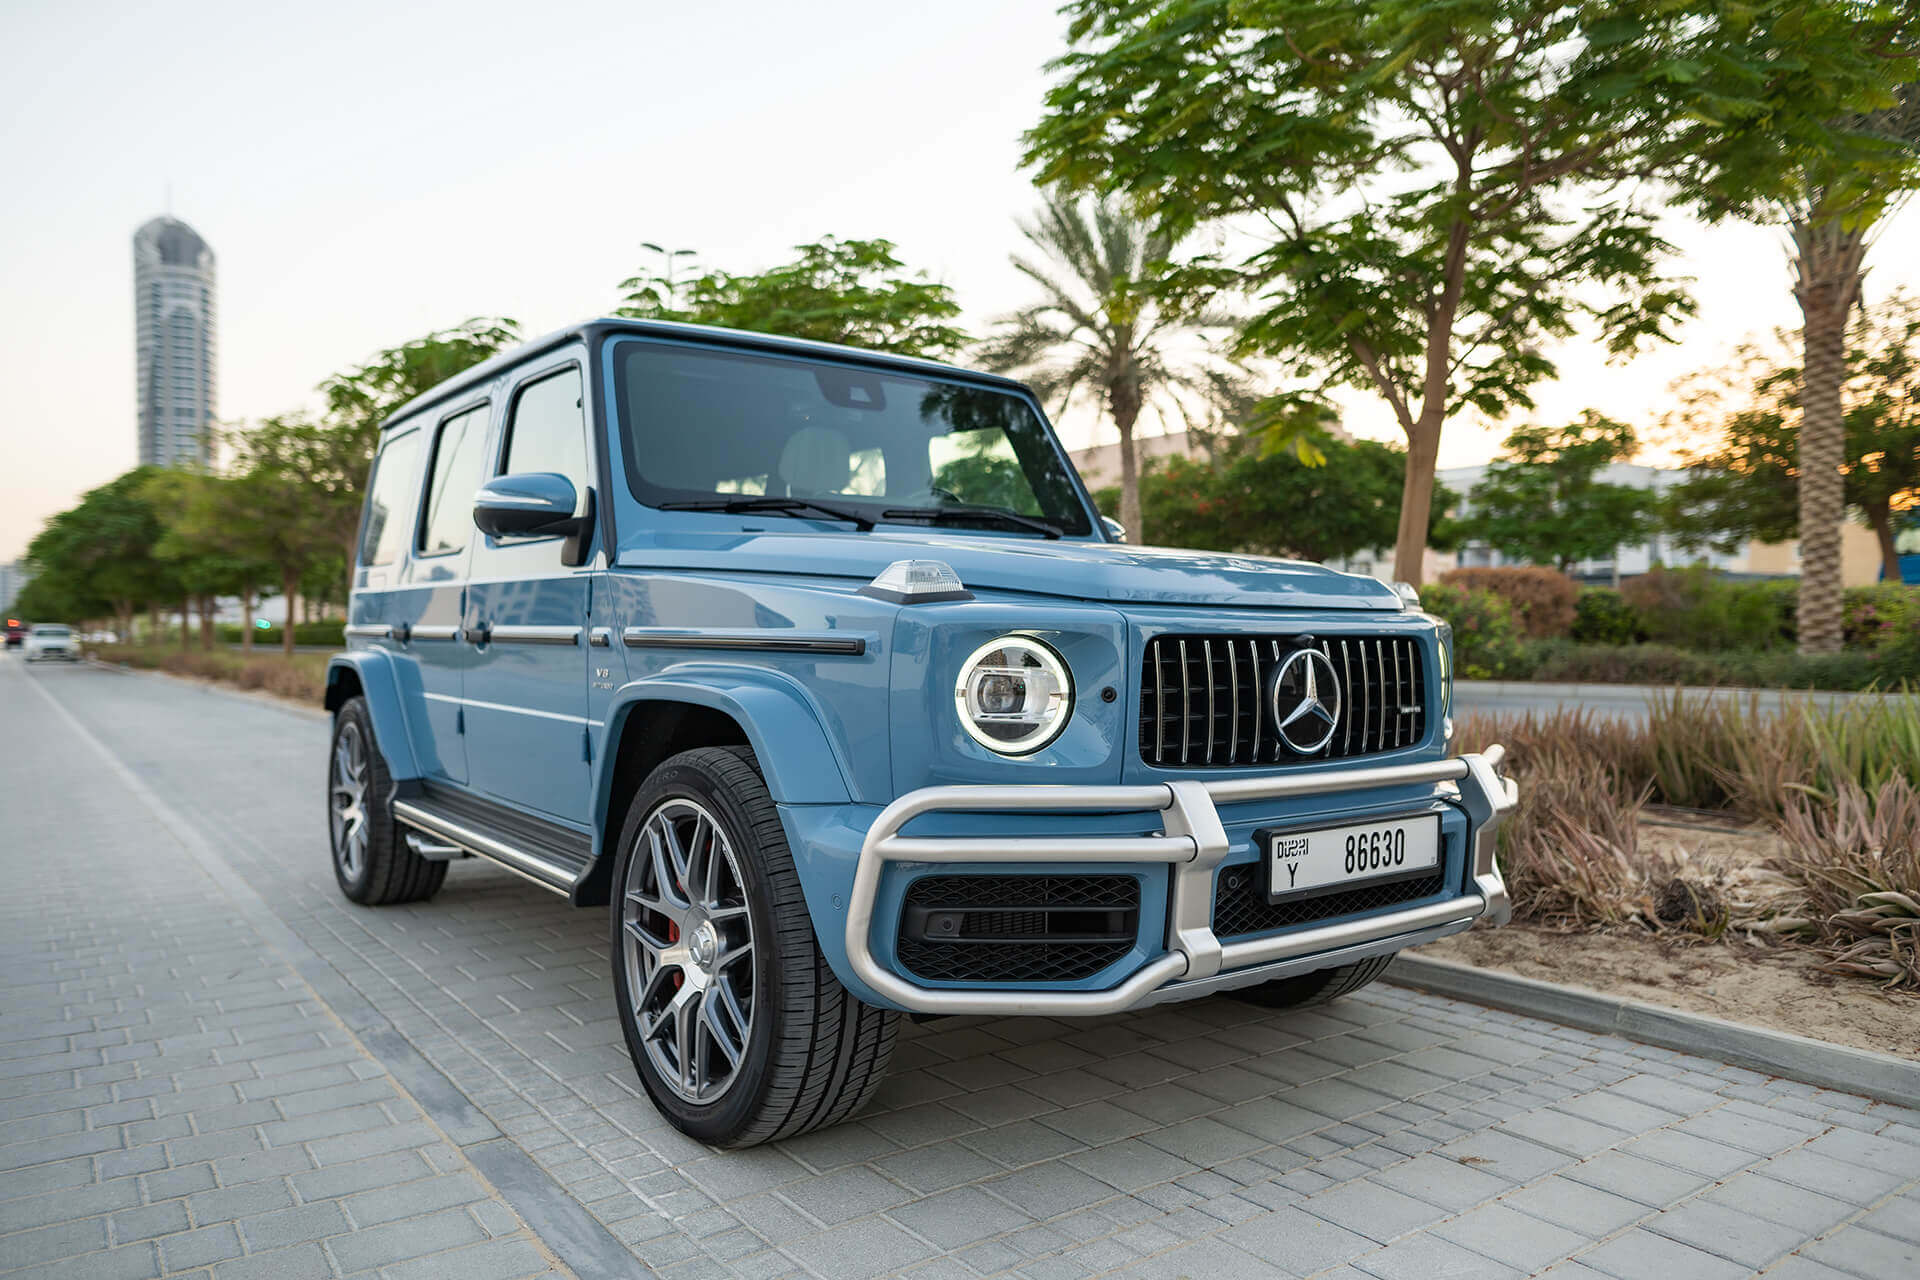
(1124, 399)
(289, 584)
(186, 622)
(156, 632)
(206, 623)
(1416, 498)
(246, 624)
(1880, 516)
(1827, 263)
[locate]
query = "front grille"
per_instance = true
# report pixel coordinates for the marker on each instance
(1205, 700)
(1240, 903)
(1014, 928)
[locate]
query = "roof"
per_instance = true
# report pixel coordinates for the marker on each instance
(592, 331)
(178, 244)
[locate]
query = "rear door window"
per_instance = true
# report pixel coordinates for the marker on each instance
(390, 504)
(453, 474)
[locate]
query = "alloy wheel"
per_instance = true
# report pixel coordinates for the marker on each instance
(688, 947)
(347, 800)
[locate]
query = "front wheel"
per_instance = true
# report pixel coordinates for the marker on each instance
(738, 1028)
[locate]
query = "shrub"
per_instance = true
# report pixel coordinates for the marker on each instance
(1542, 600)
(1856, 856)
(1880, 614)
(1624, 664)
(1485, 641)
(302, 677)
(1695, 608)
(1602, 615)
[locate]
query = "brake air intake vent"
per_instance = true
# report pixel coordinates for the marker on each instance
(1017, 928)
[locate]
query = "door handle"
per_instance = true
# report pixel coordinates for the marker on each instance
(478, 635)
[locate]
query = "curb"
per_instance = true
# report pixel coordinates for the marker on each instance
(1831, 1066)
(1597, 691)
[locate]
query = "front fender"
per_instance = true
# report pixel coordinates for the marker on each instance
(372, 670)
(801, 763)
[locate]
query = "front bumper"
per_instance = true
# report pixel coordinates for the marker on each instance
(1193, 842)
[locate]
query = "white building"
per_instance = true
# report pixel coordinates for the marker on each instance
(12, 578)
(173, 306)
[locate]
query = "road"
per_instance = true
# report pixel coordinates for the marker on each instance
(1613, 701)
(210, 1059)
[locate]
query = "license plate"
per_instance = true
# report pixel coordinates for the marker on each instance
(1301, 863)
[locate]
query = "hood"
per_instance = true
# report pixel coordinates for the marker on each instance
(1110, 572)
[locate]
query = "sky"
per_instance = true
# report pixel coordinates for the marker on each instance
(367, 172)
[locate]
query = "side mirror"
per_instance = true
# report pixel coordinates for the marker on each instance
(535, 504)
(1115, 530)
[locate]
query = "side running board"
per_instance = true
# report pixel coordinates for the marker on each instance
(550, 868)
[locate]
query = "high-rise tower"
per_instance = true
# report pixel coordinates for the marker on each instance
(173, 307)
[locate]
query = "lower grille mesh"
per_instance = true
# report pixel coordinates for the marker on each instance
(1240, 903)
(1005, 907)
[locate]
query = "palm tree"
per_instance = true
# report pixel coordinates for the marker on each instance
(1099, 332)
(1832, 219)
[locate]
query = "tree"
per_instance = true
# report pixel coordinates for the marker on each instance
(1833, 163)
(98, 555)
(1544, 502)
(1441, 187)
(1098, 329)
(854, 292)
(1254, 499)
(1746, 483)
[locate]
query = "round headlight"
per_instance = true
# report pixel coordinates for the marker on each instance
(1014, 695)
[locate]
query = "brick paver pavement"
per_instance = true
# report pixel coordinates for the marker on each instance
(211, 1059)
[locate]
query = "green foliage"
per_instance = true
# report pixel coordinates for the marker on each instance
(1248, 499)
(1426, 172)
(1745, 482)
(1697, 609)
(98, 557)
(304, 633)
(1602, 615)
(1542, 600)
(1544, 503)
(1777, 668)
(1487, 644)
(854, 292)
(1102, 331)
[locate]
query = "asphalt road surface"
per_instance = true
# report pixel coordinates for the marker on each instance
(212, 1065)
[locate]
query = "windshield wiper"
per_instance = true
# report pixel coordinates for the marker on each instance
(972, 514)
(774, 505)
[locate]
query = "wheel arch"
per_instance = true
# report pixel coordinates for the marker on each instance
(707, 706)
(369, 673)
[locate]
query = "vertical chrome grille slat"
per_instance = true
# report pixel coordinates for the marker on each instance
(1206, 656)
(1259, 690)
(1187, 705)
(1233, 695)
(1159, 703)
(1398, 700)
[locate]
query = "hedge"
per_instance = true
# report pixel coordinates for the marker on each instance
(1542, 601)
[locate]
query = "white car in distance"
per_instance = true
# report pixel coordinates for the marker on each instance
(51, 640)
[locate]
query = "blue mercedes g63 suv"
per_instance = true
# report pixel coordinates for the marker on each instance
(819, 670)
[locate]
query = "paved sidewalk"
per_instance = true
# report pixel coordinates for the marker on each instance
(1391, 1134)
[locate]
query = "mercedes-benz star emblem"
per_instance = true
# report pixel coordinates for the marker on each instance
(1306, 701)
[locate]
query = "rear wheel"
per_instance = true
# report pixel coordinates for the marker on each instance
(1304, 990)
(737, 1026)
(371, 861)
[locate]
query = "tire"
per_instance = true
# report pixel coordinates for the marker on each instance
(810, 1054)
(376, 869)
(1304, 990)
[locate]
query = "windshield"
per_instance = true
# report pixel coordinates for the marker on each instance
(51, 631)
(704, 425)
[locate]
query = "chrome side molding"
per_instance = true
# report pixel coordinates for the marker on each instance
(834, 643)
(533, 635)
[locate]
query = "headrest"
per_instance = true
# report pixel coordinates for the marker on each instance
(816, 460)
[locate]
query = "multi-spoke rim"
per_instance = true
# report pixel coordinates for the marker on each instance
(688, 947)
(347, 800)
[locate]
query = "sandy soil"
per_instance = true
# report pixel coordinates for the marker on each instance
(1736, 979)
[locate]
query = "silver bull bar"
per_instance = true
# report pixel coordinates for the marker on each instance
(1194, 843)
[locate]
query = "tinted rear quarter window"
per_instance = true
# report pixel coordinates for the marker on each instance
(390, 502)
